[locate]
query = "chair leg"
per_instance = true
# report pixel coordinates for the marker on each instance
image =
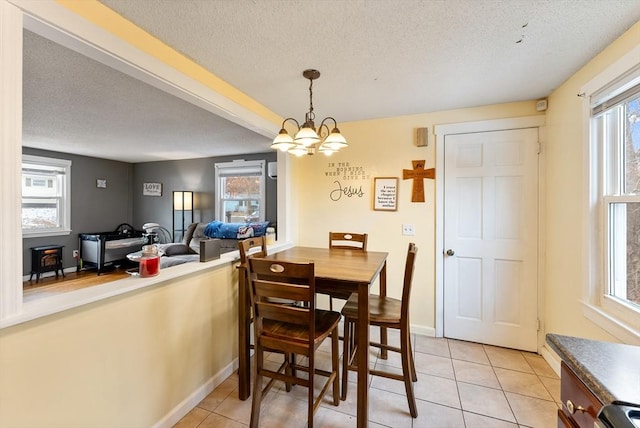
(335, 366)
(310, 392)
(256, 401)
(407, 374)
(346, 355)
(289, 358)
(412, 365)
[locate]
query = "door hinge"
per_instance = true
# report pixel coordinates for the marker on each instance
(538, 324)
(539, 147)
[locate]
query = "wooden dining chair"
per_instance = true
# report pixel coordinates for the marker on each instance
(292, 330)
(245, 314)
(346, 241)
(246, 245)
(390, 313)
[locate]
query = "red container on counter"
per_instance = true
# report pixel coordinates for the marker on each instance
(150, 261)
(149, 266)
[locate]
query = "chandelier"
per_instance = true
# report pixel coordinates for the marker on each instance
(306, 140)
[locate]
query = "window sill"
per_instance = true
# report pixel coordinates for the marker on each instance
(624, 332)
(41, 234)
(51, 305)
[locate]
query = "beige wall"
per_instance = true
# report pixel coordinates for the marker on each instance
(383, 148)
(565, 198)
(122, 362)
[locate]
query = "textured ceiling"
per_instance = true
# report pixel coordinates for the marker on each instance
(74, 104)
(377, 58)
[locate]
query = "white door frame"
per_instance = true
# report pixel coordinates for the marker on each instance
(440, 132)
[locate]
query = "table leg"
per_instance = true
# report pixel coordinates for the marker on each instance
(363, 356)
(383, 293)
(244, 369)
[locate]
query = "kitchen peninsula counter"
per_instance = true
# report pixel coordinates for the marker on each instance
(610, 370)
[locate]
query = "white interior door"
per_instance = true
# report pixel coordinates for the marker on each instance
(491, 237)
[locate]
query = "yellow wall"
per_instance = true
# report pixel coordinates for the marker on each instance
(565, 199)
(383, 148)
(122, 362)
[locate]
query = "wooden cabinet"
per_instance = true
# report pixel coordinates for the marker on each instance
(564, 421)
(579, 406)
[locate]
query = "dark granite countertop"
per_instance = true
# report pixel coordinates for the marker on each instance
(610, 370)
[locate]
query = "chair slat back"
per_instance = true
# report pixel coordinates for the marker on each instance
(271, 281)
(408, 278)
(247, 245)
(348, 241)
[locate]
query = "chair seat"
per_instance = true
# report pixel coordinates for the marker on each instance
(326, 321)
(382, 310)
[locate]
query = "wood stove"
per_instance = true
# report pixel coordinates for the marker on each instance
(46, 258)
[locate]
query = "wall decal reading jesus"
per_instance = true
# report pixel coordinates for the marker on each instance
(418, 174)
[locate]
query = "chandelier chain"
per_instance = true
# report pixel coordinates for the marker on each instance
(311, 113)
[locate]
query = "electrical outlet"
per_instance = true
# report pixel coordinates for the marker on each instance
(408, 230)
(75, 254)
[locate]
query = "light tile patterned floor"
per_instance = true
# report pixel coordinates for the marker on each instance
(460, 385)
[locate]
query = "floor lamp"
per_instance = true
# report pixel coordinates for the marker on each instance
(182, 213)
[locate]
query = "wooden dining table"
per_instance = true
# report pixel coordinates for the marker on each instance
(336, 270)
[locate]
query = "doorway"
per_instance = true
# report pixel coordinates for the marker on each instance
(489, 225)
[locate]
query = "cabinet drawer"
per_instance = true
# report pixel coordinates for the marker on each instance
(574, 393)
(564, 421)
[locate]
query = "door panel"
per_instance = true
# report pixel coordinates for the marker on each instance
(491, 224)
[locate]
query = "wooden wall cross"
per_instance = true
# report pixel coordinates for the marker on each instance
(418, 174)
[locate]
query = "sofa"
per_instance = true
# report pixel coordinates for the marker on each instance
(228, 233)
(209, 237)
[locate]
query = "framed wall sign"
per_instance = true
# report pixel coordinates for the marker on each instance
(152, 189)
(385, 193)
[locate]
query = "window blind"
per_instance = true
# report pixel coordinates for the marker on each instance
(626, 87)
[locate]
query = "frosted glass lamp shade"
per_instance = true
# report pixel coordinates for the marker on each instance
(335, 140)
(283, 141)
(183, 201)
(306, 136)
(299, 150)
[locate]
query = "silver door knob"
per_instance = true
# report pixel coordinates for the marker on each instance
(450, 252)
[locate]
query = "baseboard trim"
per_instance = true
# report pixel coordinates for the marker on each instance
(423, 331)
(179, 411)
(552, 358)
(66, 270)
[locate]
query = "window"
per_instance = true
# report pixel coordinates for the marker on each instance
(614, 127)
(240, 191)
(46, 195)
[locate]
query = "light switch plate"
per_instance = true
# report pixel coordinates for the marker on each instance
(408, 230)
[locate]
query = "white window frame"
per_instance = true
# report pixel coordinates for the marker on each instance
(64, 206)
(239, 167)
(611, 314)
